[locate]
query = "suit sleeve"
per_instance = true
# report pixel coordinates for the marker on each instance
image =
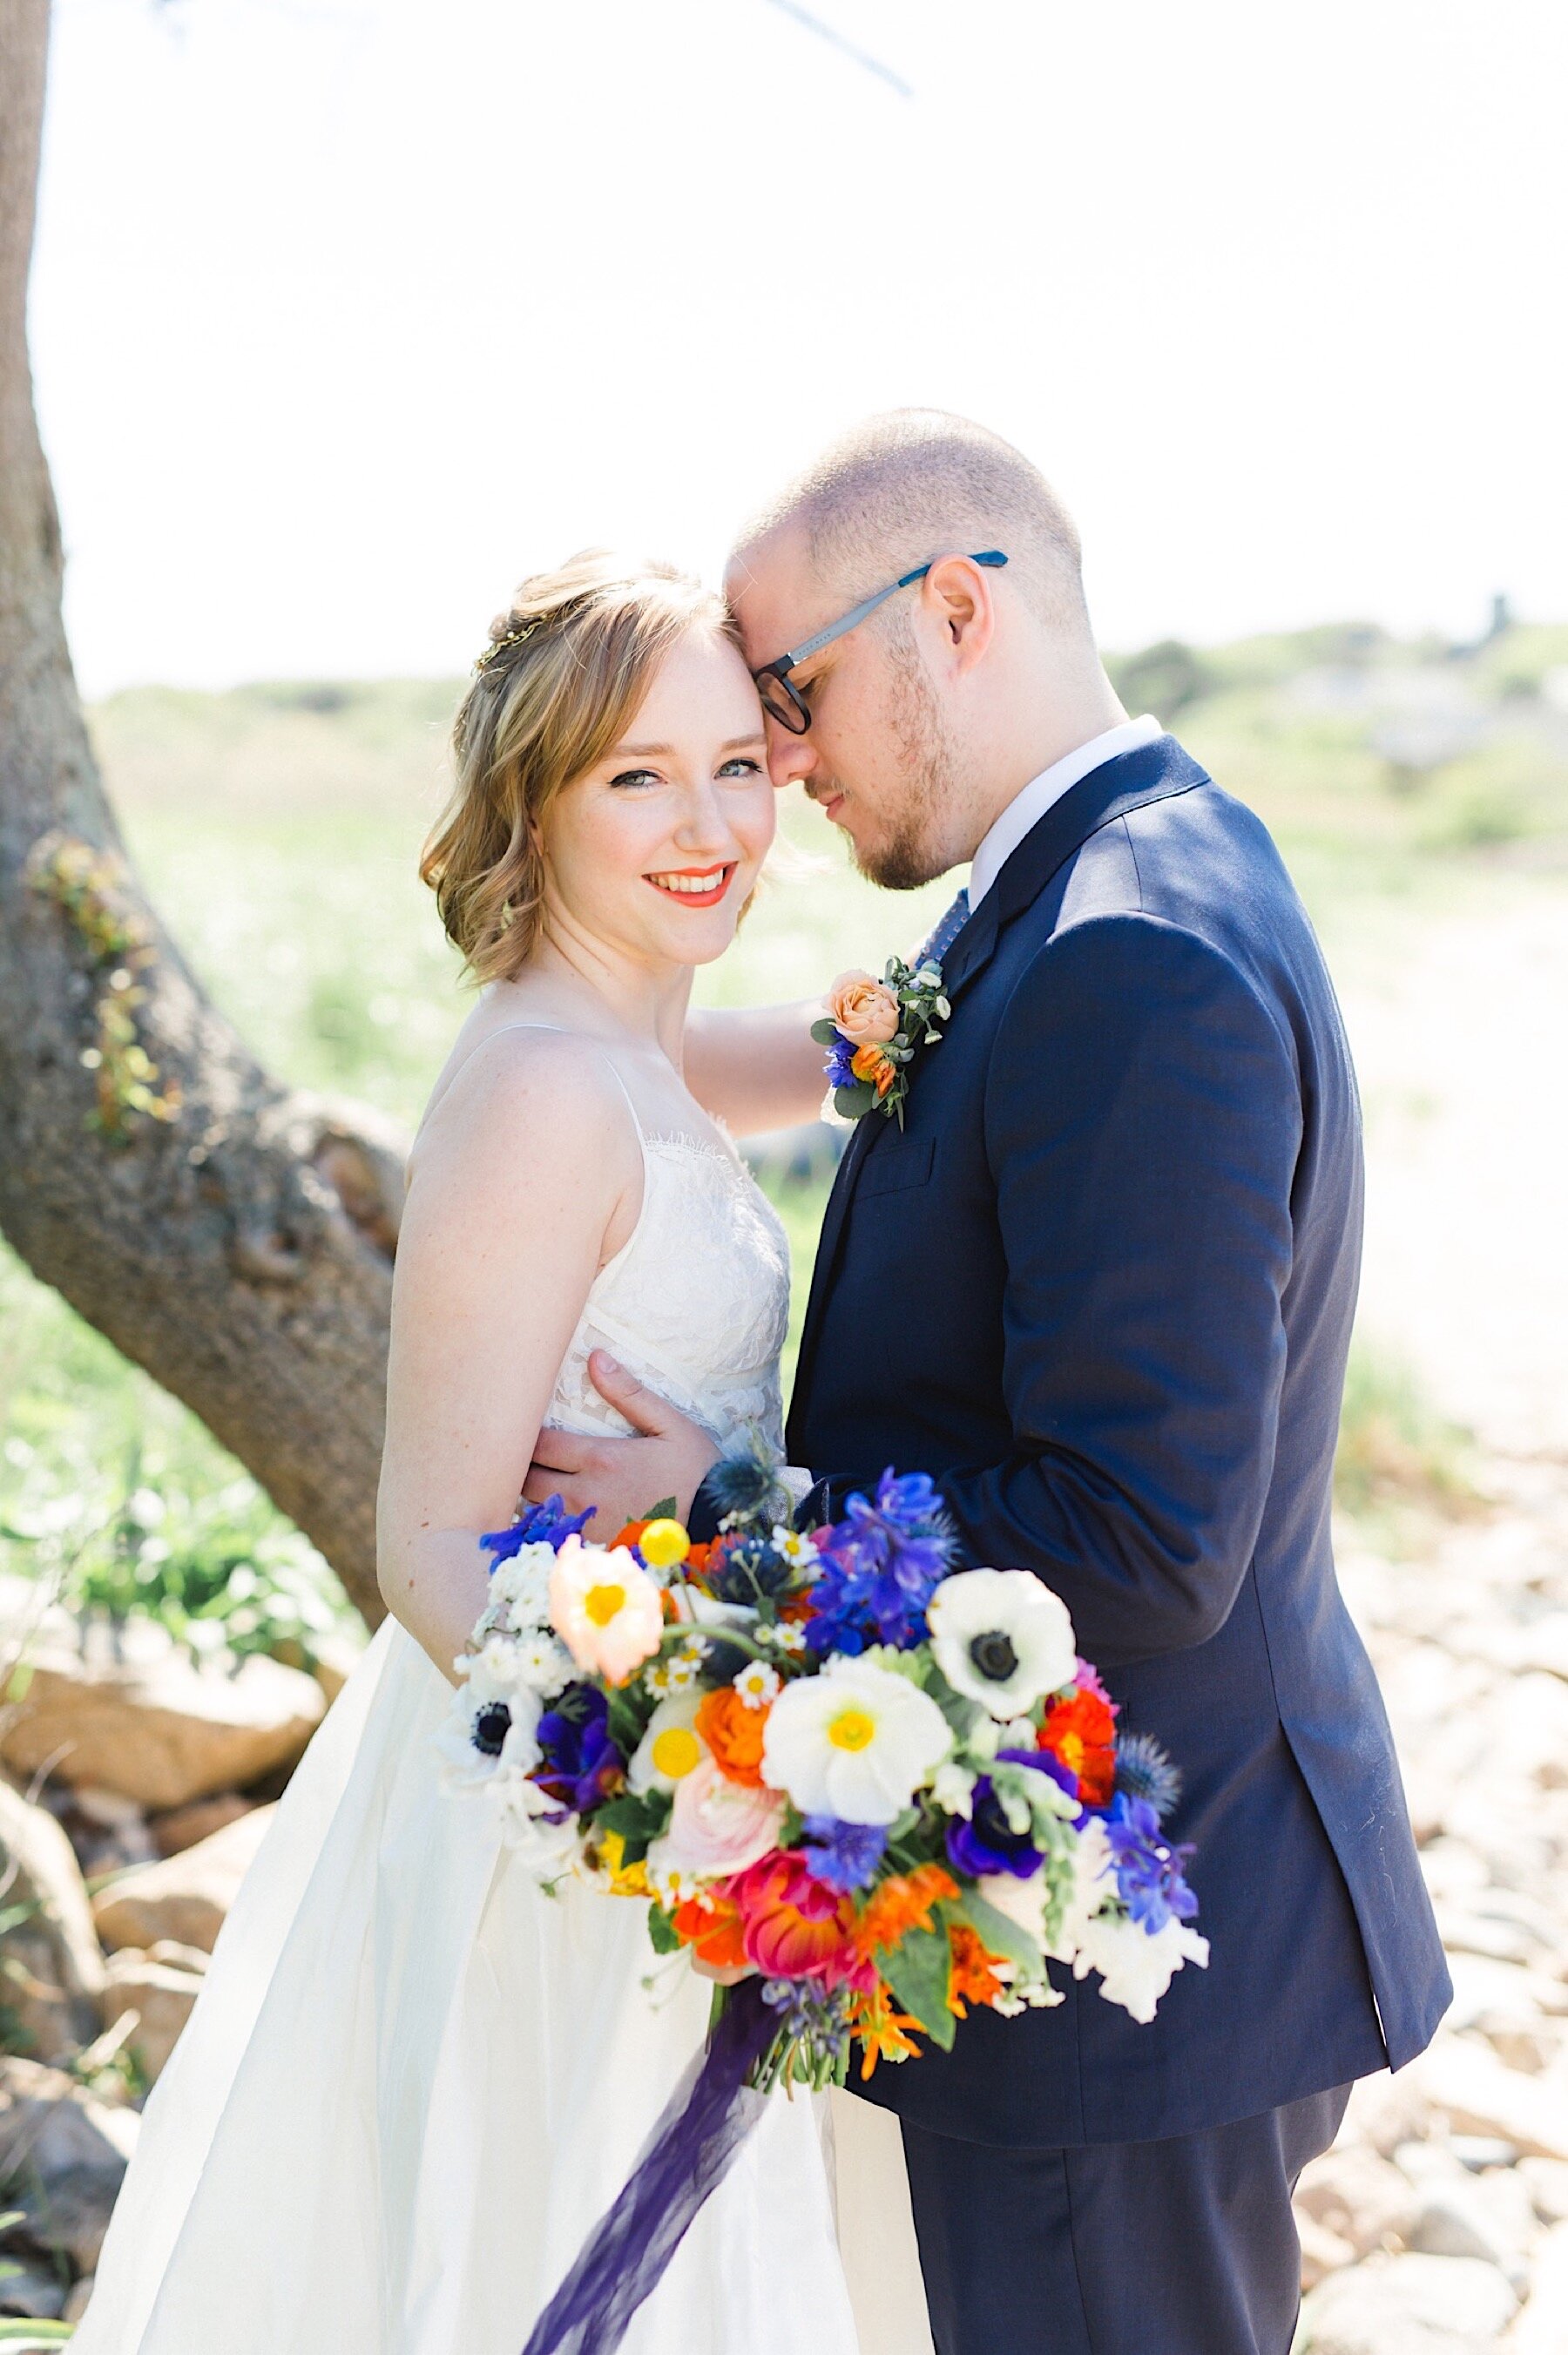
(1143, 1121)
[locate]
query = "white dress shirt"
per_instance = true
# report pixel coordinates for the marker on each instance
(1029, 804)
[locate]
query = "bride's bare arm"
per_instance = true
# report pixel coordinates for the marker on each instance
(525, 1176)
(756, 1067)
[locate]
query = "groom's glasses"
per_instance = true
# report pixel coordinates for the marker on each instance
(782, 699)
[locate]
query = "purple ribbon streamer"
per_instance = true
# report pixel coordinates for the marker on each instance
(700, 2128)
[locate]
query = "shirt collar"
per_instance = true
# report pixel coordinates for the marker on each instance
(1030, 804)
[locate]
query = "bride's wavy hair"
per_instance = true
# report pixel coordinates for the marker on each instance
(566, 667)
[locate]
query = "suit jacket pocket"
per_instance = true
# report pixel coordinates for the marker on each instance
(901, 1161)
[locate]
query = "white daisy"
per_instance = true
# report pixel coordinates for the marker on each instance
(757, 1684)
(1001, 1638)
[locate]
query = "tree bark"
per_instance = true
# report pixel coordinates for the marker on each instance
(231, 1235)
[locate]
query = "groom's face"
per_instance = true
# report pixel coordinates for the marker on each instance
(876, 759)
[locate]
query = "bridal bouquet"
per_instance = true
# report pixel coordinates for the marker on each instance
(891, 1790)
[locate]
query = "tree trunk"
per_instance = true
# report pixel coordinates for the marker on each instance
(232, 1236)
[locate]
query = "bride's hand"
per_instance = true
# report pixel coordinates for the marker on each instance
(725, 1973)
(669, 1455)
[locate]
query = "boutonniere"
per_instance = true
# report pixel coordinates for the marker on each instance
(873, 1032)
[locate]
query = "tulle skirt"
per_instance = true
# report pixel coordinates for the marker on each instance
(413, 2083)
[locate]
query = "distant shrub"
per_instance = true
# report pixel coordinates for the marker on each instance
(1163, 679)
(1395, 1450)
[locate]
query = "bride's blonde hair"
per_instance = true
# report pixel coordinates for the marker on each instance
(566, 668)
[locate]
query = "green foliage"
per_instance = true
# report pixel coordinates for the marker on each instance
(1396, 1456)
(121, 1496)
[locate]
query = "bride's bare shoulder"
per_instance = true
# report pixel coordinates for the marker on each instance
(521, 1089)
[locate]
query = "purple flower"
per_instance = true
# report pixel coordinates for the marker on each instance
(1149, 1869)
(548, 1524)
(883, 1562)
(987, 1842)
(579, 1765)
(841, 1056)
(846, 1856)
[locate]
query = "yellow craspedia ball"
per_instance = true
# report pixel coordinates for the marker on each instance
(663, 1544)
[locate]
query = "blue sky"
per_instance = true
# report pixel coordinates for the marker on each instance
(348, 314)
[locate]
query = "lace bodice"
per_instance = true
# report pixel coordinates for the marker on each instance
(695, 1303)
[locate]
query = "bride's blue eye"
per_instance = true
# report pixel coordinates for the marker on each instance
(636, 777)
(741, 766)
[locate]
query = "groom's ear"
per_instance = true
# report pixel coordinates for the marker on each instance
(958, 596)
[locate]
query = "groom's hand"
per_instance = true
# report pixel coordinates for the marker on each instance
(666, 1456)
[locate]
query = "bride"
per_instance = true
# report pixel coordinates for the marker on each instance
(414, 2082)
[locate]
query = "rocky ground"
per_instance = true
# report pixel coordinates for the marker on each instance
(1438, 2225)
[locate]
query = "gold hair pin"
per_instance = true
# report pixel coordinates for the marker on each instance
(512, 638)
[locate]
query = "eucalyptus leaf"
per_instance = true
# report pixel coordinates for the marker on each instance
(918, 1969)
(824, 1032)
(850, 1101)
(999, 1931)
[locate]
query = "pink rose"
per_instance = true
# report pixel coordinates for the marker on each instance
(866, 1011)
(716, 1825)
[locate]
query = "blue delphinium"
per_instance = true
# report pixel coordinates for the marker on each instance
(840, 1060)
(882, 1563)
(1148, 1870)
(1144, 1771)
(846, 1856)
(579, 1764)
(548, 1524)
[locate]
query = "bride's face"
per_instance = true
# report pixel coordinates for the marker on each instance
(655, 851)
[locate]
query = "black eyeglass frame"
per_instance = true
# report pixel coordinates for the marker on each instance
(792, 710)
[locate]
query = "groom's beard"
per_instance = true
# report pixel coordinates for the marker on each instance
(913, 851)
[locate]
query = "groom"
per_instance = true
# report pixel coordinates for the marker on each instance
(1100, 1286)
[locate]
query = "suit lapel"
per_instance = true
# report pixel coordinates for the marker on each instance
(1152, 773)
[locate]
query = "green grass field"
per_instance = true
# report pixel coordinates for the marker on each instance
(278, 828)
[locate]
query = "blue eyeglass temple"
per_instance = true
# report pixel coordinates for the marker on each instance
(991, 556)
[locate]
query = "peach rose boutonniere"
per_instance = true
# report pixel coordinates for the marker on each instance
(873, 1031)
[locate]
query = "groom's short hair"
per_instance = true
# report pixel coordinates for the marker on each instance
(911, 484)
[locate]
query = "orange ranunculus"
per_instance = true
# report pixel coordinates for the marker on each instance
(796, 1926)
(972, 1979)
(734, 1734)
(628, 1534)
(1081, 1732)
(697, 1561)
(871, 1064)
(712, 1928)
(865, 1010)
(902, 1904)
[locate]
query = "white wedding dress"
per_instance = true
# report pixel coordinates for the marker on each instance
(413, 2083)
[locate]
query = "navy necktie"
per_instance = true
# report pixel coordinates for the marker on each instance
(946, 931)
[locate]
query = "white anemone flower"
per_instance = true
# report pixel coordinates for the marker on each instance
(855, 1742)
(488, 1736)
(1135, 1967)
(1001, 1638)
(670, 1746)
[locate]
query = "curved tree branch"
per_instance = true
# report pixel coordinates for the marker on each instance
(231, 1235)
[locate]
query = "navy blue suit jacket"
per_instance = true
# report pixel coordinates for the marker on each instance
(1100, 1287)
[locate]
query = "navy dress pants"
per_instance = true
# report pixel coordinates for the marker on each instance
(1179, 2248)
